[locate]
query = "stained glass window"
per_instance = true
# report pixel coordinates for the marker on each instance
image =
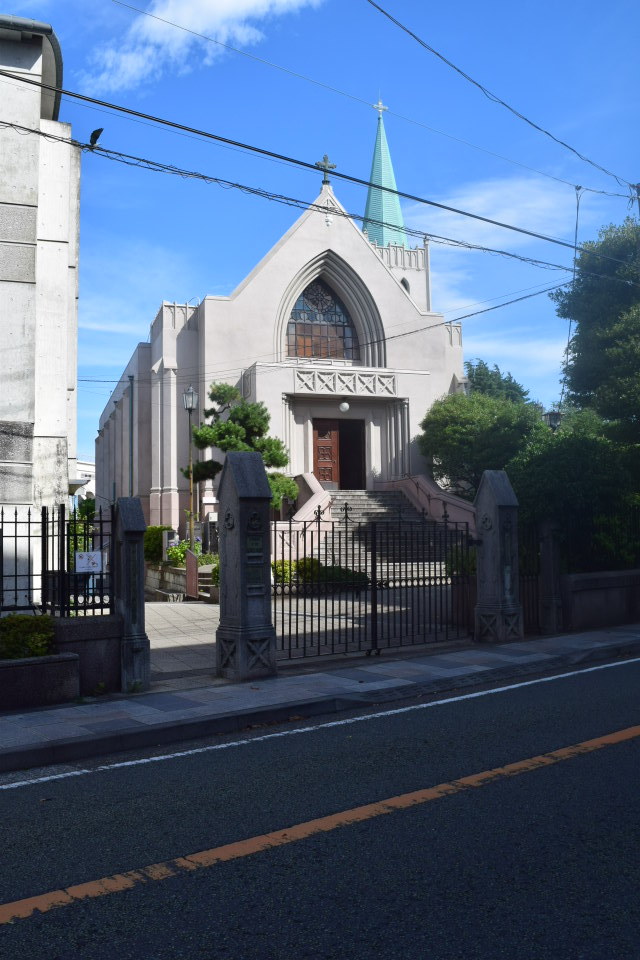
(320, 326)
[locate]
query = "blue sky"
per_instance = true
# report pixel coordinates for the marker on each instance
(148, 237)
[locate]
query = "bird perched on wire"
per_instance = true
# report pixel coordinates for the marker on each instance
(95, 137)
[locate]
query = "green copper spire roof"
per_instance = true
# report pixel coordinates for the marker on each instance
(382, 206)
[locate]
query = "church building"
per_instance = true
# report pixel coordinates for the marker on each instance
(333, 331)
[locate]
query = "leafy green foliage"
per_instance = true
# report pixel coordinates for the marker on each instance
(283, 571)
(25, 636)
(241, 426)
(310, 571)
(87, 509)
(604, 304)
(492, 383)
(574, 473)
(153, 543)
(465, 435)
(177, 554)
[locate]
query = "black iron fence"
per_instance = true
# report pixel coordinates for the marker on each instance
(56, 562)
(339, 587)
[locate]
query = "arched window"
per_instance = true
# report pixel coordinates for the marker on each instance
(405, 284)
(320, 326)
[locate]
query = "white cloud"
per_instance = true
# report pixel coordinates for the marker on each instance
(529, 202)
(151, 47)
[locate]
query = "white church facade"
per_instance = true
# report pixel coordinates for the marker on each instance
(333, 331)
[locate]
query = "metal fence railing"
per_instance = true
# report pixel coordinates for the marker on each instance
(340, 587)
(56, 562)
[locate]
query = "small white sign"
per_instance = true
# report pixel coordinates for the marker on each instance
(89, 561)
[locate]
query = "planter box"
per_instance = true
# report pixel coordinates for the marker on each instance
(39, 681)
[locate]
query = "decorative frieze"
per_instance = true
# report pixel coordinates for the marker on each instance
(357, 384)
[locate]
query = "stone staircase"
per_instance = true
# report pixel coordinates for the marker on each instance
(387, 506)
(397, 545)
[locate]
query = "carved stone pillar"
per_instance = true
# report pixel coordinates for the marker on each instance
(128, 577)
(245, 639)
(498, 611)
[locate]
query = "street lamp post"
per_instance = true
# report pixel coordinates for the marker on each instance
(190, 400)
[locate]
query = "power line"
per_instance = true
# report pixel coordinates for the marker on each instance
(495, 98)
(157, 166)
(185, 375)
(303, 164)
(356, 99)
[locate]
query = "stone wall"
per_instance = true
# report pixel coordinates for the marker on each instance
(591, 600)
(96, 641)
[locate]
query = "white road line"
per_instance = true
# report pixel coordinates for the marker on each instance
(321, 726)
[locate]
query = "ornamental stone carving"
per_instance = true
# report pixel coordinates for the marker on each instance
(340, 382)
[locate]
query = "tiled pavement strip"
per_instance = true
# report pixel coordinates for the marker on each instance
(187, 700)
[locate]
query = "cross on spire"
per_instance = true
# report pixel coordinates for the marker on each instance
(379, 106)
(325, 166)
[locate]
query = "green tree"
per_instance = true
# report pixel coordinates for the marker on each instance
(601, 369)
(464, 435)
(238, 425)
(493, 383)
(576, 472)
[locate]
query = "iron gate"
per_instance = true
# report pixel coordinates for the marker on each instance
(339, 587)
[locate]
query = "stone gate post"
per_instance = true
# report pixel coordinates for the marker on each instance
(128, 577)
(245, 639)
(498, 611)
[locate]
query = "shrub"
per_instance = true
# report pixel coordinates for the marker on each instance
(307, 568)
(460, 561)
(22, 635)
(336, 574)
(153, 543)
(282, 571)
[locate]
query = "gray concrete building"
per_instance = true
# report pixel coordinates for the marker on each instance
(39, 229)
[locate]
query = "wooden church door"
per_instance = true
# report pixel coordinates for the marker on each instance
(326, 453)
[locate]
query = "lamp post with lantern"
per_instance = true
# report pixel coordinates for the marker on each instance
(190, 400)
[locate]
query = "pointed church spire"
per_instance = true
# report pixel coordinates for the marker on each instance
(381, 206)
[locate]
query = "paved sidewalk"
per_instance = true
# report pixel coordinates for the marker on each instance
(199, 707)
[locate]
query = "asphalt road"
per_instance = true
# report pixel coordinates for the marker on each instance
(538, 861)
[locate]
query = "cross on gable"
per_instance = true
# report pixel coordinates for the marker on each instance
(325, 166)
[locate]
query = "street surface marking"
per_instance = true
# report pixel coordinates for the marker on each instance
(43, 903)
(102, 768)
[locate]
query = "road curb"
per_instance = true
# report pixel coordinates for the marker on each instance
(86, 747)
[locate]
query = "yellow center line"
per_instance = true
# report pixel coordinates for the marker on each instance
(118, 882)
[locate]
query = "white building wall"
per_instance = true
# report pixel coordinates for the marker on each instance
(39, 196)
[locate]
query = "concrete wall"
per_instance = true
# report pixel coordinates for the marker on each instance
(113, 447)
(96, 641)
(39, 681)
(591, 600)
(39, 223)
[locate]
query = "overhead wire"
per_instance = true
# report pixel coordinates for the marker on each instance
(361, 100)
(493, 97)
(291, 160)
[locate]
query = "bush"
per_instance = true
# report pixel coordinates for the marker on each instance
(461, 561)
(283, 571)
(153, 543)
(25, 636)
(336, 574)
(307, 568)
